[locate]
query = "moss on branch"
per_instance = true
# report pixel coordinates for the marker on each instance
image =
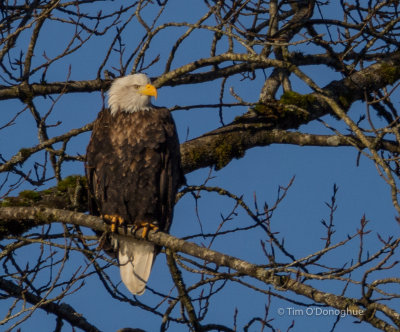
(70, 194)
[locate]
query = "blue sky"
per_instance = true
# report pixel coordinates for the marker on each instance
(260, 173)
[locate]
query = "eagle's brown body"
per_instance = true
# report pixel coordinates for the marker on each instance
(133, 171)
(133, 166)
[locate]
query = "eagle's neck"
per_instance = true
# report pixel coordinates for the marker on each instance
(114, 111)
(127, 102)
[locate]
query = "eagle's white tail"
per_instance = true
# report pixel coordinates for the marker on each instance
(135, 259)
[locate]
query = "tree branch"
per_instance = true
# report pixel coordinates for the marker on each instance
(37, 216)
(183, 295)
(62, 310)
(220, 146)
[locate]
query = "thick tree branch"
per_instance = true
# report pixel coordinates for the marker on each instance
(222, 145)
(216, 148)
(31, 217)
(23, 90)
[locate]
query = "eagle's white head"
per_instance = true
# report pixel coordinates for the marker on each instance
(131, 93)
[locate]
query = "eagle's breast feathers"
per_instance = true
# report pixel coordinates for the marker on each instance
(133, 164)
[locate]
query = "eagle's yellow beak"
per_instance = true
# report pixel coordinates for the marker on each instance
(148, 90)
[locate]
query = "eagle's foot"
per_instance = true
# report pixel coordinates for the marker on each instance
(114, 220)
(146, 227)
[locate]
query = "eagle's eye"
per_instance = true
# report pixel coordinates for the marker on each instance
(136, 86)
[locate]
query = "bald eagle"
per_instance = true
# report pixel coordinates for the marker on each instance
(133, 171)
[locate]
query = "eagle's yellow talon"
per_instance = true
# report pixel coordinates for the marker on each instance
(146, 226)
(114, 218)
(145, 231)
